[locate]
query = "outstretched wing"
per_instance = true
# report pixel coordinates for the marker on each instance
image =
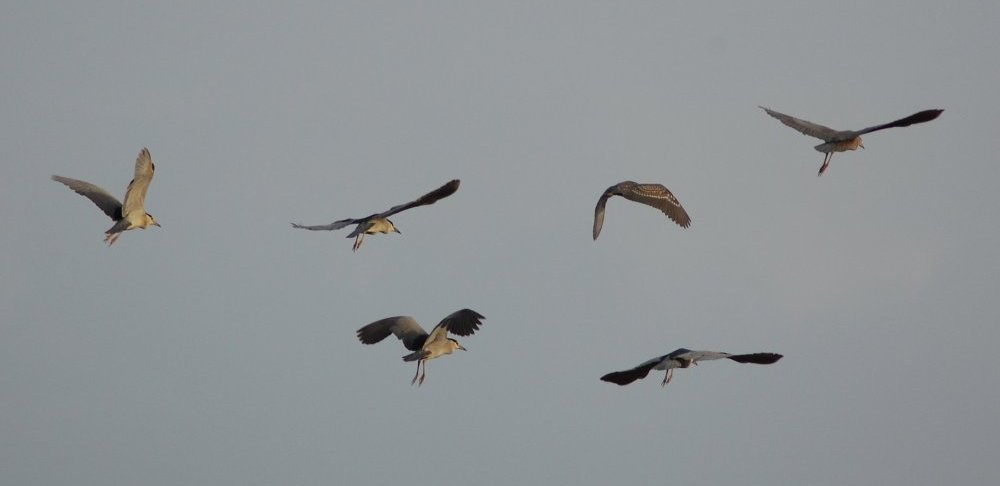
(464, 322)
(756, 358)
(429, 198)
(625, 377)
(809, 128)
(328, 227)
(698, 355)
(921, 117)
(135, 195)
(659, 197)
(105, 201)
(405, 328)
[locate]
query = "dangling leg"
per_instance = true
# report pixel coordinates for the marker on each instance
(424, 375)
(358, 240)
(826, 163)
(667, 377)
(111, 238)
(414, 380)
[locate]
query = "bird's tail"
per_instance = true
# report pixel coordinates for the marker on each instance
(415, 356)
(756, 358)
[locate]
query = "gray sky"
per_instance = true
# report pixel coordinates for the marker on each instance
(220, 349)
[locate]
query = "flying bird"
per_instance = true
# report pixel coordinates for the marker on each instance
(844, 140)
(128, 215)
(683, 358)
(424, 346)
(380, 222)
(654, 195)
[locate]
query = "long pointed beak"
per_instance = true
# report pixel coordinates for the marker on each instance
(462, 348)
(157, 225)
(862, 146)
(397, 230)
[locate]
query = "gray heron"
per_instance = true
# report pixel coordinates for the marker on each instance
(683, 358)
(380, 222)
(654, 195)
(129, 214)
(844, 140)
(424, 346)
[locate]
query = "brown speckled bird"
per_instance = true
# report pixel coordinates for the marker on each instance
(654, 195)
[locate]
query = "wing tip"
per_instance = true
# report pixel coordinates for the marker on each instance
(757, 358)
(620, 378)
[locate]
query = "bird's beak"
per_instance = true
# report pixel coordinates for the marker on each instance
(397, 230)
(157, 225)
(462, 348)
(862, 146)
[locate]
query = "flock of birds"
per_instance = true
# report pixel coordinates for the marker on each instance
(131, 214)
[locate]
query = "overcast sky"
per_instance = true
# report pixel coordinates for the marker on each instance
(220, 348)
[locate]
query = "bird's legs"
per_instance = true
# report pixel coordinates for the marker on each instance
(826, 163)
(358, 240)
(414, 380)
(111, 238)
(667, 377)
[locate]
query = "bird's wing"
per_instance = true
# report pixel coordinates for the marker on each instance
(809, 128)
(328, 227)
(921, 117)
(625, 377)
(429, 198)
(108, 203)
(405, 328)
(659, 197)
(699, 355)
(756, 358)
(599, 213)
(135, 195)
(460, 323)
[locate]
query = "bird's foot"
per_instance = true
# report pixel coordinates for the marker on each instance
(666, 379)
(826, 163)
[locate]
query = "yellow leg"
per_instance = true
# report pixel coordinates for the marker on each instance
(414, 380)
(826, 163)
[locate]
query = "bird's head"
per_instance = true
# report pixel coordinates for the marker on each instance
(455, 345)
(151, 221)
(621, 192)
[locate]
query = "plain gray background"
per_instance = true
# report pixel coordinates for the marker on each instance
(220, 349)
